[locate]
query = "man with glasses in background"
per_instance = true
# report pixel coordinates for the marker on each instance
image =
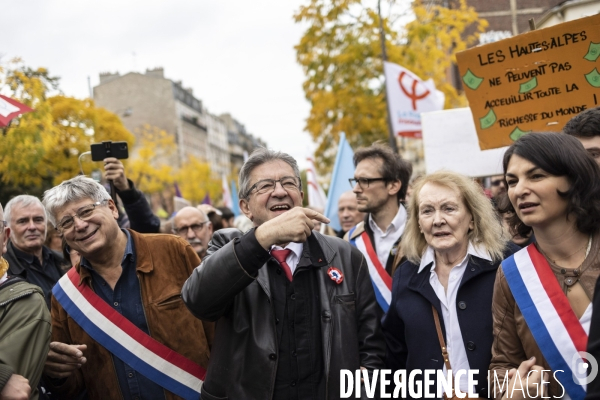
(294, 307)
(119, 326)
(193, 225)
(380, 182)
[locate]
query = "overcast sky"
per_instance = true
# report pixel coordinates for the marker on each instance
(237, 55)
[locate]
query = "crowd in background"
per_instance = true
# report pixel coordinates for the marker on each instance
(437, 272)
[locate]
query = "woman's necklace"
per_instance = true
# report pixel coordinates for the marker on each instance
(587, 251)
(571, 280)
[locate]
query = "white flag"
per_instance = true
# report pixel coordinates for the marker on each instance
(227, 202)
(7, 108)
(408, 97)
(316, 195)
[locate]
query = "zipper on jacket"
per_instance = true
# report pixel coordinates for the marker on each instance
(329, 347)
(24, 294)
(274, 375)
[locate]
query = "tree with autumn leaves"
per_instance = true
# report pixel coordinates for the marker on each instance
(195, 178)
(340, 53)
(42, 148)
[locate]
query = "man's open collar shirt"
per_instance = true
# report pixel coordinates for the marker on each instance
(126, 299)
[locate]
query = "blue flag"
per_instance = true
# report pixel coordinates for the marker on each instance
(234, 199)
(342, 171)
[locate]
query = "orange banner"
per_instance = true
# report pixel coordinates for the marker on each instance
(535, 81)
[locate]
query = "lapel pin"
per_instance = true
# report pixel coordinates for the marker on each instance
(335, 275)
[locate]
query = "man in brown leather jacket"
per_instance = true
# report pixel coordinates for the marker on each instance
(138, 276)
(293, 307)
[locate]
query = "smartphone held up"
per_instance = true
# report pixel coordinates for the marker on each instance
(103, 150)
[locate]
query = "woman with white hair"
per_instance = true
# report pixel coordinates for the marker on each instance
(440, 315)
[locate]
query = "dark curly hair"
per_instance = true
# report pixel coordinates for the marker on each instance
(560, 155)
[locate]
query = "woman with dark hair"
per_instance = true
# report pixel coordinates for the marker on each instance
(542, 295)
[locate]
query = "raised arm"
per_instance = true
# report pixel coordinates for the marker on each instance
(212, 286)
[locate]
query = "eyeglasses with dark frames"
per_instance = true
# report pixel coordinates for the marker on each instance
(197, 228)
(83, 213)
(364, 182)
(288, 183)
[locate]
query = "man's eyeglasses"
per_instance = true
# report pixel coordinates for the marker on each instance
(268, 185)
(3, 223)
(364, 182)
(197, 228)
(84, 213)
(497, 182)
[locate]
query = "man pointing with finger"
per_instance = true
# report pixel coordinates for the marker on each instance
(293, 307)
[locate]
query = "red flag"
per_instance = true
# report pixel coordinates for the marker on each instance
(10, 109)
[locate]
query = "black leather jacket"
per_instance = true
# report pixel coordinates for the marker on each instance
(244, 355)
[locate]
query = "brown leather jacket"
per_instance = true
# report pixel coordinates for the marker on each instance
(164, 262)
(513, 341)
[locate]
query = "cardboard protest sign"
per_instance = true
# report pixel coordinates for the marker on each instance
(450, 142)
(536, 81)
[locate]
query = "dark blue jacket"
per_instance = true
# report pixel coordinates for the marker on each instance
(409, 328)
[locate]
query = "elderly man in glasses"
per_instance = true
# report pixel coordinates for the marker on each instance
(380, 183)
(194, 226)
(119, 326)
(293, 307)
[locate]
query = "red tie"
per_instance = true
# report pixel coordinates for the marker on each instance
(280, 256)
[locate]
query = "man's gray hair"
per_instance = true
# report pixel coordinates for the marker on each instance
(79, 188)
(258, 157)
(22, 200)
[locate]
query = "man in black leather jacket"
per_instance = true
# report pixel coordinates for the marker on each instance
(284, 328)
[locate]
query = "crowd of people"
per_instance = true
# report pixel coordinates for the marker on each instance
(103, 302)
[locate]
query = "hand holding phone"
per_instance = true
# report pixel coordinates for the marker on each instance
(115, 172)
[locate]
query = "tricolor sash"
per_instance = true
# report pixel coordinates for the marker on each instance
(122, 338)
(382, 281)
(546, 309)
